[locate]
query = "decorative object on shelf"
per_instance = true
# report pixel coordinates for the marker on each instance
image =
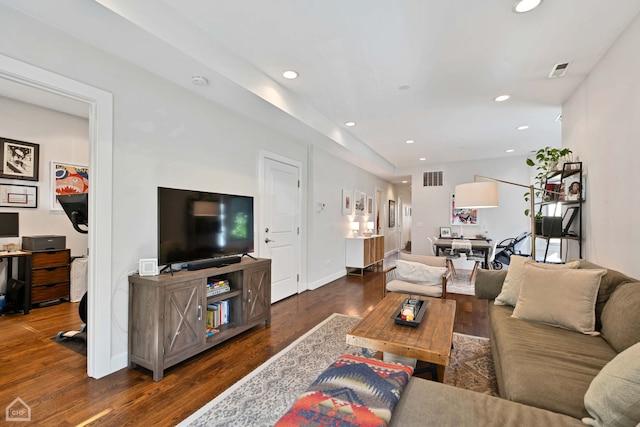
(460, 216)
(410, 312)
(67, 179)
(369, 206)
(369, 231)
(347, 202)
(445, 231)
(359, 200)
(392, 213)
(355, 227)
(18, 196)
(546, 162)
(19, 160)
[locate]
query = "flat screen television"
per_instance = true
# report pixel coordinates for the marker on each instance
(198, 225)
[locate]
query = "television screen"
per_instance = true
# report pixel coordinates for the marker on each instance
(9, 226)
(195, 225)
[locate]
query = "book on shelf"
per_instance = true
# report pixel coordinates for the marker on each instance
(219, 313)
(217, 287)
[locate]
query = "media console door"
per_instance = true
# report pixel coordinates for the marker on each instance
(257, 295)
(184, 319)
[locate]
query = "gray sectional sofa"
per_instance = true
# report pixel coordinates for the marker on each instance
(544, 371)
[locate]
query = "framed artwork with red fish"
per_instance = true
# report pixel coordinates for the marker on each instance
(67, 179)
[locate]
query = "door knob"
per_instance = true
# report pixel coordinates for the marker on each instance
(267, 240)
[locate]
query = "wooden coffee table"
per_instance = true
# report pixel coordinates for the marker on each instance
(430, 341)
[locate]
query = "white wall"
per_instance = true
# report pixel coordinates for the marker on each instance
(431, 206)
(63, 138)
(165, 135)
(328, 227)
(600, 123)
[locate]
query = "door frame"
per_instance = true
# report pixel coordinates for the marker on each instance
(301, 256)
(100, 104)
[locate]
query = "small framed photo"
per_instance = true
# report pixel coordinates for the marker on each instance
(19, 160)
(445, 231)
(369, 205)
(359, 201)
(392, 213)
(574, 190)
(347, 202)
(18, 196)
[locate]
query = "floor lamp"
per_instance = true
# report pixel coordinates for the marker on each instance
(481, 194)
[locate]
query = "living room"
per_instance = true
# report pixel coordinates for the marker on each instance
(161, 130)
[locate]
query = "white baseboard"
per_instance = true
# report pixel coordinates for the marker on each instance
(327, 279)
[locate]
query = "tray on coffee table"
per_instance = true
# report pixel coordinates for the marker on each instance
(421, 310)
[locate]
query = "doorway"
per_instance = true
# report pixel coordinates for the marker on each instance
(100, 104)
(280, 223)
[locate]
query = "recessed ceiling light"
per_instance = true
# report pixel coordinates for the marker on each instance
(523, 127)
(501, 98)
(290, 74)
(350, 124)
(423, 158)
(410, 141)
(510, 150)
(405, 181)
(522, 6)
(199, 80)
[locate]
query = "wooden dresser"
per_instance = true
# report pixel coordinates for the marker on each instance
(363, 252)
(50, 275)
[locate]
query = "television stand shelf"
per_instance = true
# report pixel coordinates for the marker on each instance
(168, 313)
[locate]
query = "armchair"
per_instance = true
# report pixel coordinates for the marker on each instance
(435, 273)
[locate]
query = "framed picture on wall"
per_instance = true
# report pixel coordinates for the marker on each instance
(18, 196)
(392, 213)
(67, 179)
(19, 160)
(369, 205)
(463, 216)
(359, 202)
(347, 202)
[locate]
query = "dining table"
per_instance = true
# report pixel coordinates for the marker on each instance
(481, 245)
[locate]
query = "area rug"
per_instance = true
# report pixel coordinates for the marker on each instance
(260, 398)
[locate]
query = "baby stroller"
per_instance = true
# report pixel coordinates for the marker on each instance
(506, 248)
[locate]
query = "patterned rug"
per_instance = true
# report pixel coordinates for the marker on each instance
(260, 398)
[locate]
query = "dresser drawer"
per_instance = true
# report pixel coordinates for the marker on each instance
(45, 276)
(50, 259)
(46, 293)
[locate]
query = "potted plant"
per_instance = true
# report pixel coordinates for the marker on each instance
(545, 161)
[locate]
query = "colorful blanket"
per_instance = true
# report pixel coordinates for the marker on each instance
(353, 391)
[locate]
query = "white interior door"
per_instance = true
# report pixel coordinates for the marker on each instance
(280, 235)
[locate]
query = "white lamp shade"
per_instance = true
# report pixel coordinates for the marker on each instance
(476, 195)
(370, 225)
(355, 226)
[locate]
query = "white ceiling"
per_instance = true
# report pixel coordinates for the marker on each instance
(353, 57)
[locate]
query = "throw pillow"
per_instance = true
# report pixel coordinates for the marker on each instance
(613, 397)
(621, 317)
(565, 298)
(515, 277)
(416, 272)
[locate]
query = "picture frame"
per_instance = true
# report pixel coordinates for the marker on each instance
(369, 205)
(19, 159)
(347, 202)
(67, 178)
(463, 216)
(392, 213)
(359, 202)
(445, 231)
(574, 190)
(18, 196)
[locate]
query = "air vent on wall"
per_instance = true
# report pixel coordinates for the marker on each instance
(559, 70)
(433, 179)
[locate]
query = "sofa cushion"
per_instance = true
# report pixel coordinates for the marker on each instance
(562, 297)
(613, 398)
(608, 284)
(542, 365)
(429, 403)
(621, 317)
(416, 272)
(516, 276)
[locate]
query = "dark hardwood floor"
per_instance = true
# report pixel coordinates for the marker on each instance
(52, 379)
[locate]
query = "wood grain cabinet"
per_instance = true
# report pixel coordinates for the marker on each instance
(363, 252)
(167, 313)
(50, 275)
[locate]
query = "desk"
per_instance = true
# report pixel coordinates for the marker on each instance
(14, 285)
(476, 244)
